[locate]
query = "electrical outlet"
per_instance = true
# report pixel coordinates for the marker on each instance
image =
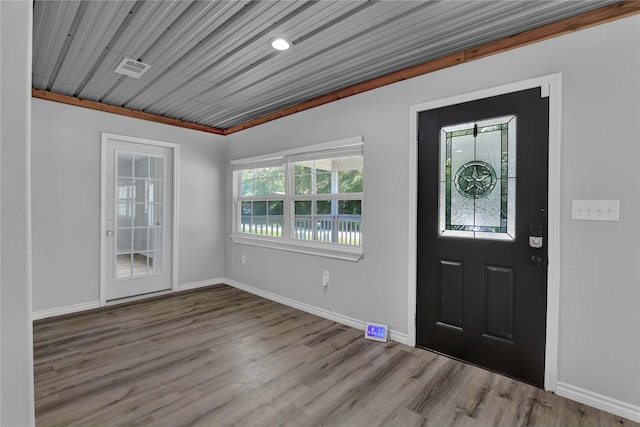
(325, 279)
(243, 259)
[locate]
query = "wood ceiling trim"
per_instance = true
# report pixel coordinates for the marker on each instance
(94, 105)
(603, 15)
(566, 26)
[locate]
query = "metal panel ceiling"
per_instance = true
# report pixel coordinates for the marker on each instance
(211, 63)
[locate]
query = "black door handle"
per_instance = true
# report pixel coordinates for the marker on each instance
(538, 260)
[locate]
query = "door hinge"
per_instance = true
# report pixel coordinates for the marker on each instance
(545, 90)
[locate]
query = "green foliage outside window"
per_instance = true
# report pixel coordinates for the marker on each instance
(348, 172)
(350, 181)
(324, 216)
(350, 207)
(263, 181)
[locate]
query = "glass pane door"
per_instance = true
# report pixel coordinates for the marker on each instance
(139, 208)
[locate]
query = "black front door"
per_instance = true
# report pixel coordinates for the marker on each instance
(482, 192)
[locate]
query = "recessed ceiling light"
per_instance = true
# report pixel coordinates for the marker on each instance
(280, 43)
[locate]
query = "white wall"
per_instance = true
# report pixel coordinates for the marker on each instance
(599, 354)
(16, 397)
(66, 201)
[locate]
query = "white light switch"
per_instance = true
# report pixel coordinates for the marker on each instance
(595, 210)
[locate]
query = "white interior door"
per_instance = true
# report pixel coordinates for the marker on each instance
(137, 217)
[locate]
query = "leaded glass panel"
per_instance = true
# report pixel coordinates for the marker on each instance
(477, 179)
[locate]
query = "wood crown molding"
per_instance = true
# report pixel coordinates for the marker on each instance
(589, 19)
(93, 105)
(603, 15)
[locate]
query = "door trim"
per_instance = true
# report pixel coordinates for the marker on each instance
(175, 148)
(551, 86)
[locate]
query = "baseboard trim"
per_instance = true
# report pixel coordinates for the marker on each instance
(75, 308)
(69, 309)
(599, 401)
(396, 336)
(200, 284)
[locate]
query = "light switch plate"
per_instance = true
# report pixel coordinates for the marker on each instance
(595, 210)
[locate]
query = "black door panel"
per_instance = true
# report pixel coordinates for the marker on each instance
(484, 301)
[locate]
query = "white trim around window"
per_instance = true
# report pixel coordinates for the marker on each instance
(334, 221)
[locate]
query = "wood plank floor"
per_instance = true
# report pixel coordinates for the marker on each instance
(220, 356)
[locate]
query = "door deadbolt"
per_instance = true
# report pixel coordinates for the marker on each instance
(535, 235)
(109, 233)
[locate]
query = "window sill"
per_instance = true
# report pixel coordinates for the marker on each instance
(320, 249)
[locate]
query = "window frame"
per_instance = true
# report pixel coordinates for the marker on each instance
(287, 159)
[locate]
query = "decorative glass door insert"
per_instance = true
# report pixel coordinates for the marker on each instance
(478, 179)
(139, 209)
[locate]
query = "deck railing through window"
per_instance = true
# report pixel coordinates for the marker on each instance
(271, 225)
(343, 229)
(340, 229)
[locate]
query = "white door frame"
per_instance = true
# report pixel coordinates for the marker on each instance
(175, 148)
(551, 86)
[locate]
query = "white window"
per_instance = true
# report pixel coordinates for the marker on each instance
(305, 200)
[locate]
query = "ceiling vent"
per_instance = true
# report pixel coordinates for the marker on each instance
(132, 68)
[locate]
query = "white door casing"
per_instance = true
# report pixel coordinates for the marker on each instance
(551, 86)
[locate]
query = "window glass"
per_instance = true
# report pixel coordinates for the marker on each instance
(261, 217)
(329, 220)
(262, 181)
(350, 181)
(323, 203)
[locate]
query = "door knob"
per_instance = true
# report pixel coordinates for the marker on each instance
(109, 233)
(538, 260)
